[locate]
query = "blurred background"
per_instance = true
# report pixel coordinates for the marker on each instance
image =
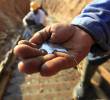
(19, 86)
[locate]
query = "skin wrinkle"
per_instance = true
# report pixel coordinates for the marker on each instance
(37, 60)
(67, 55)
(25, 51)
(27, 43)
(46, 36)
(55, 38)
(62, 61)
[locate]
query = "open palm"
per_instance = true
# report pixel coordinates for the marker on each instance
(77, 41)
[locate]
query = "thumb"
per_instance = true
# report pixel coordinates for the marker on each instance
(41, 36)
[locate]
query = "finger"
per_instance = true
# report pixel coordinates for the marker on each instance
(41, 36)
(27, 43)
(53, 66)
(23, 42)
(61, 54)
(30, 66)
(71, 55)
(24, 51)
(34, 65)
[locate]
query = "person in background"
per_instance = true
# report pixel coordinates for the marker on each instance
(88, 34)
(35, 20)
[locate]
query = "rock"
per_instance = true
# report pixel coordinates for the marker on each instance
(3, 36)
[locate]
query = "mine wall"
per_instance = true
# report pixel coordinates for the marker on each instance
(19, 86)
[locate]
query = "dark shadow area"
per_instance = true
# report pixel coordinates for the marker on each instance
(105, 86)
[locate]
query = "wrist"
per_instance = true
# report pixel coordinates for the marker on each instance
(86, 33)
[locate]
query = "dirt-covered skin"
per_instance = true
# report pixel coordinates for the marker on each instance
(67, 36)
(35, 87)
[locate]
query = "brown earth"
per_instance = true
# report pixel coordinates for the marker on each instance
(11, 14)
(65, 10)
(35, 87)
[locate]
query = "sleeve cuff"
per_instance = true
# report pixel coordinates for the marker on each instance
(93, 28)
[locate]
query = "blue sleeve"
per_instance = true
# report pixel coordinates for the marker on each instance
(95, 19)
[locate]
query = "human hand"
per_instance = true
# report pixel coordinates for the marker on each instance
(77, 41)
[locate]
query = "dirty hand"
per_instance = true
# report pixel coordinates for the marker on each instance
(77, 41)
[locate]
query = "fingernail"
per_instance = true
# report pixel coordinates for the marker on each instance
(43, 51)
(44, 70)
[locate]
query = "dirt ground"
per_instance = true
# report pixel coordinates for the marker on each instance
(36, 87)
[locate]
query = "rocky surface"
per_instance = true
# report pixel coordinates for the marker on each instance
(35, 87)
(11, 14)
(65, 10)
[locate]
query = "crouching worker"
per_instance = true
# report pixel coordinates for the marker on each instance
(34, 20)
